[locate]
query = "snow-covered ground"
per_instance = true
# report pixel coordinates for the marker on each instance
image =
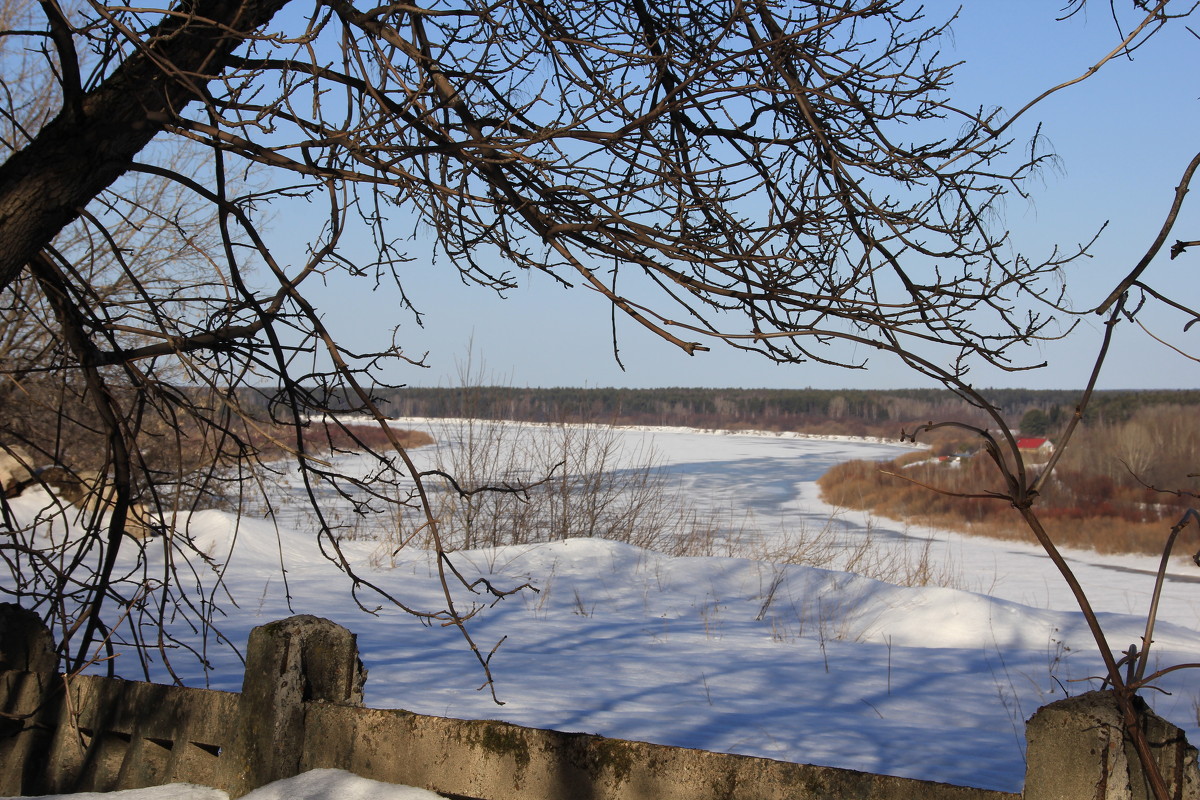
(319, 784)
(728, 653)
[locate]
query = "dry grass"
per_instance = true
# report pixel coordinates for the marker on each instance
(1077, 509)
(906, 561)
(1108, 535)
(273, 442)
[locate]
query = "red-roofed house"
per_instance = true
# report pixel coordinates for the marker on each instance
(1035, 446)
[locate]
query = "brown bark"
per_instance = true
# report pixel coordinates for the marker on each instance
(44, 186)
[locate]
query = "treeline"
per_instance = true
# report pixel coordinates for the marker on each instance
(846, 411)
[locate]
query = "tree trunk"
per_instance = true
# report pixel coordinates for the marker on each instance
(45, 185)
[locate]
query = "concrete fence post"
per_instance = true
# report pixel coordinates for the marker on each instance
(1078, 749)
(288, 663)
(30, 669)
(25, 643)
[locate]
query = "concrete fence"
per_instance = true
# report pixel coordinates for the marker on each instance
(301, 708)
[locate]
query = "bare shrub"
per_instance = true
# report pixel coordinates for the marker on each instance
(524, 484)
(519, 484)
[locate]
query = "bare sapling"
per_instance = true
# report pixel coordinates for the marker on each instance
(1125, 671)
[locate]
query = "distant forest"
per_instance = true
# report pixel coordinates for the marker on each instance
(847, 411)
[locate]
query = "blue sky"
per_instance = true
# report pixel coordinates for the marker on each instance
(1124, 137)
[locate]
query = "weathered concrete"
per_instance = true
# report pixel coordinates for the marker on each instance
(498, 761)
(110, 734)
(1078, 749)
(23, 741)
(289, 663)
(27, 655)
(129, 734)
(98, 734)
(25, 644)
